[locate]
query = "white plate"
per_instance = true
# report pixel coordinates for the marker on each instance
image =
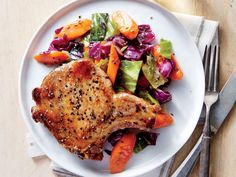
(187, 94)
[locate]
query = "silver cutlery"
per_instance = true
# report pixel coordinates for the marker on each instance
(210, 62)
(219, 112)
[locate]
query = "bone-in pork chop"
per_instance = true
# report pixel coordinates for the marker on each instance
(76, 102)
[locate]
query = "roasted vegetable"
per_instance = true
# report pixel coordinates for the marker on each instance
(132, 53)
(116, 136)
(145, 34)
(99, 26)
(126, 25)
(103, 64)
(111, 29)
(163, 120)
(74, 30)
(143, 82)
(152, 74)
(94, 50)
(146, 96)
(52, 57)
(129, 71)
(122, 152)
(165, 48)
(143, 139)
(177, 73)
(77, 51)
(161, 96)
(113, 64)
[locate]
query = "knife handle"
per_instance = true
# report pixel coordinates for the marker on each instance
(205, 156)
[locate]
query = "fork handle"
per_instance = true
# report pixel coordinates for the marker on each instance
(205, 146)
(205, 156)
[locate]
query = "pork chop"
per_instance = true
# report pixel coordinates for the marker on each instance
(77, 104)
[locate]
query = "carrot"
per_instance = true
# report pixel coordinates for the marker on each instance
(113, 64)
(156, 53)
(122, 152)
(176, 73)
(163, 120)
(53, 57)
(126, 25)
(74, 30)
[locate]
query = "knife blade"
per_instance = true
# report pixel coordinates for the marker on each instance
(221, 109)
(225, 103)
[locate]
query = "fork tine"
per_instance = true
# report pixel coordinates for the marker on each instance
(216, 70)
(206, 65)
(204, 57)
(211, 69)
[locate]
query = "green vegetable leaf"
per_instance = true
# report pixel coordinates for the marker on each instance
(86, 40)
(152, 74)
(119, 88)
(165, 48)
(140, 145)
(143, 139)
(129, 71)
(111, 29)
(85, 53)
(146, 96)
(99, 25)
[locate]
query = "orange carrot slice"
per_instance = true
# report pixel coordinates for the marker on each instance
(53, 57)
(122, 152)
(163, 120)
(74, 30)
(126, 25)
(113, 64)
(176, 73)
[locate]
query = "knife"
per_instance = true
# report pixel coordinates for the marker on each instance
(221, 109)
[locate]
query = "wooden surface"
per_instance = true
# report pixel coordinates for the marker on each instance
(21, 18)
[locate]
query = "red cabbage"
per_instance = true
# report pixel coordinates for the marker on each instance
(94, 50)
(115, 137)
(132, 53)
(165, 68)
(105, 50)
(77, 51)
(59, 44)
(58, 30)
(145, 34)
(98, 50)
(119, 42)
(161, 96)
(146, 48)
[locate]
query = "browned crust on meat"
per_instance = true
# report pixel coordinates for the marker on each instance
(77, 104)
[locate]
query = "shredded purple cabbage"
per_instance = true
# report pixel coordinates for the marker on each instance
(145, 34)
(77, 51)
(115, 137)
(132, 53)
(98, 50)
(58, 30)
(94, 50)
(161, 96)
(165, 68)
(105, 50)
(59, 44)
(146, 48)
(119, 42)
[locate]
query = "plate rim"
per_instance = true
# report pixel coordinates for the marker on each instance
(37, 32)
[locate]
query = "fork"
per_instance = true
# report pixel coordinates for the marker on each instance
(210, 62)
